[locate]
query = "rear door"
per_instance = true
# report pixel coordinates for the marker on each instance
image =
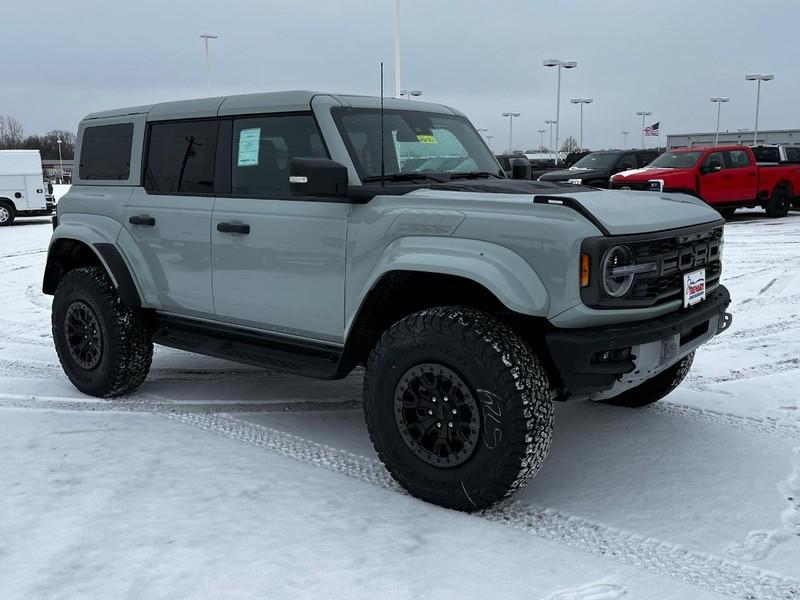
(740, 176)
(169, 218)
(278, 261)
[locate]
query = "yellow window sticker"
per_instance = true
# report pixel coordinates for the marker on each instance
(426, 139)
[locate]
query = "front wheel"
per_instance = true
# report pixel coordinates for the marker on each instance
(104, 346)
(458, 407)
(656, 388)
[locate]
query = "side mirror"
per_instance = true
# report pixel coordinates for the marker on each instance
(520, 168)
(317, 177)
(706, 169)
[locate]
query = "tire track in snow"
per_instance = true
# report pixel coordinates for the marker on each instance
(718, 574)
(790, 323)
(592, 591)
(779, 366)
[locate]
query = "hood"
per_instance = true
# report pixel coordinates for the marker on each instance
(644, 174)
(566, 174)
(615, 212)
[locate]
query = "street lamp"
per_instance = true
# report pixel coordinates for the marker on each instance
(566, 64)
(625, 133)
(759, 78)
(551, 123)
(397, 48)
(718, 100)
(482, 130)
(409, 93)
(541, 141)
(581, 102)
(489, 141)
(205, 37)
(60, 161)
(510, 116)
(643, 114)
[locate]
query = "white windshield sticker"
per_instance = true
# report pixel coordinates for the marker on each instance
(248, 147)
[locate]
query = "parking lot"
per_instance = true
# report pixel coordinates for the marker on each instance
(218, 480)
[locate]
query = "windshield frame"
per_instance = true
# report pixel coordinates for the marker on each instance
(697, 159)
(337, 112)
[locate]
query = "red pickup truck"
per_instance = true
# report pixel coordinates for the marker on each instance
(726, 177)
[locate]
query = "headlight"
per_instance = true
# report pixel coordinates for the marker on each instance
(617, 280)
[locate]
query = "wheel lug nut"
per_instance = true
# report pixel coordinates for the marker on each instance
(434, 399)
(446, 398)
(438, 425)
(430, 412)
(450, 424)
(455, 412)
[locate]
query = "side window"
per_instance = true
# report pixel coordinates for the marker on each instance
(714, 161)
(106, 152)
(628, 161)
(180, 157)
(739, 159)
(263, 147)
(793, 154)
(646, 158)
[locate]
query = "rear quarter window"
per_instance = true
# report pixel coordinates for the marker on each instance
(106, 152)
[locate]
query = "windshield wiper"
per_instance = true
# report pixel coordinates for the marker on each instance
(402, 177)
(474, 175)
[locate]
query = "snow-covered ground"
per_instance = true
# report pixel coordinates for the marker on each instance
(221, 481)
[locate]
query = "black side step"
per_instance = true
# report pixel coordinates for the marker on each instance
(312, 359)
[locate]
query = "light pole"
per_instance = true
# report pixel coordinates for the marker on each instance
(759, 78)
(551, 123)
(718, 100)
(60, 161)
(489, 141)
(510, 116)
(566, 64)
(581, 102)
(541, 140)
(397, 48)
(625, 133)
(643, 114)
(410, 93)
(205, 37)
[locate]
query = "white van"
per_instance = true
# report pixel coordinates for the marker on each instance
(23, 191)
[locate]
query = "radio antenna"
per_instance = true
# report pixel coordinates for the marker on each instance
(383, 133)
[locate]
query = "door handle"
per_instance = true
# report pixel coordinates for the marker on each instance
(145, 220)
(233, 228)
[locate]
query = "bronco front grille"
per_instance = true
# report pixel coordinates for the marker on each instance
(674, 253)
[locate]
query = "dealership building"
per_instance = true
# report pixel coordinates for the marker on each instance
(738, 137)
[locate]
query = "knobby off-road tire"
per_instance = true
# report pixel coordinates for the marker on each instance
(7, 213)
(656, 388)
(104, 346)
(499, 393)
(779, 204)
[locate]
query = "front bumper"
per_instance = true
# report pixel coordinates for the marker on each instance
(654, 345)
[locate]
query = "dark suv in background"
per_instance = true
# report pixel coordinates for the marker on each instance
(596, 168)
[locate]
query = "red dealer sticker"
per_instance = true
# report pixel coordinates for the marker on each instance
(694, 287)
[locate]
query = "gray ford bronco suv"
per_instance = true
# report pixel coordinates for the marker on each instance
(316, 233)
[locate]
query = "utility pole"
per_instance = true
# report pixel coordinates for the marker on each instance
(758, 78)
(643, 114)
(565, 64)
(205, 37)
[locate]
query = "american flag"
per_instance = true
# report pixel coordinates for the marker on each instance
(651, 129)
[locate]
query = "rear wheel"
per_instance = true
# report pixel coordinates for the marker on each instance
(726, 212)
(656, 388)
(7, 213)
(458, 407)
(779, 204)
(104, 346)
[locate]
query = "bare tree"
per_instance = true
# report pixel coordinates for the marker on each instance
(570, 145)
(11, 133)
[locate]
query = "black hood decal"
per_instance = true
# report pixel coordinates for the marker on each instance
(509, 186)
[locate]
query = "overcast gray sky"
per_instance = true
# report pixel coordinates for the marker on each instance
(61, 60)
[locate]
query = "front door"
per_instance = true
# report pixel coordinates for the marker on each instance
(278, 262)
(741, 176)
(168, 220)
(713, 184)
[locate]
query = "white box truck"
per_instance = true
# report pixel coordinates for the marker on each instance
(23, 192)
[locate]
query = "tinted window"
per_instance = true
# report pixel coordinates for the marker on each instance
(646, 158)
(767, 154)
(739, 159)
(106, 152)
(793, 154)
(263, 147)
(180, 157)
(597, 160)
(627, 162)
(676, 160)
(715, 160)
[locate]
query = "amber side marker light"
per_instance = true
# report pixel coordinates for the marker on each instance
(584, 270)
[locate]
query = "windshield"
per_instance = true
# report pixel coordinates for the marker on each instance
(597, 160)
(415, 142)
(676, 160)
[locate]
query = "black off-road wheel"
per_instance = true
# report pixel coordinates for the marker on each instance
(779, 204)
(105, 347)
(458, 407)
(656, 388)
(7, 213)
